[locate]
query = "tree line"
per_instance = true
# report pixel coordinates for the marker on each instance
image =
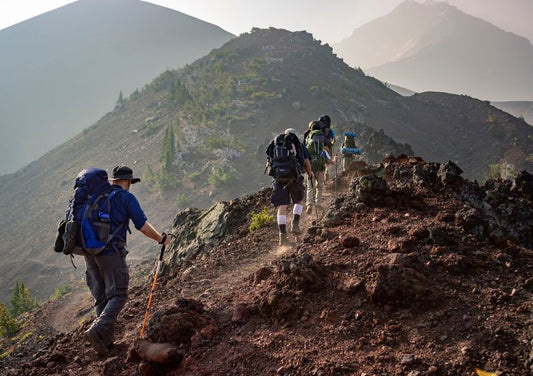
(21, 301)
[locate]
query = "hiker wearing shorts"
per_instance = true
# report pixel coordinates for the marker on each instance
(107, 273)
(284, 194)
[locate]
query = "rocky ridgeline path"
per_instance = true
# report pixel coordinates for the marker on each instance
(242, 264)
(411, 270)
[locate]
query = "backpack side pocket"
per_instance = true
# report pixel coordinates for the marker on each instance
(59, 244)
(69, 237)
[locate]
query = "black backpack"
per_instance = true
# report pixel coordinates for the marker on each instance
(327, 136)
(283, 162)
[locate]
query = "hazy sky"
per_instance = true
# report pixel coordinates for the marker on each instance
(329, 21)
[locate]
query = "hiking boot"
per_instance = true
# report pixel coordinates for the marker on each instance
(96, 342)
(295, 228)
(283, 239)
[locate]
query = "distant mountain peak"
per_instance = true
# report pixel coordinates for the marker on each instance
(436, 46)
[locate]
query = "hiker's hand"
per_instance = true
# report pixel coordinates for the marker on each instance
(165, 239)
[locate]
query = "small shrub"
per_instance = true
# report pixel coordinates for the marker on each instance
(182, 201)
(24, 337)
(258, 95)
(219, 178)
(216, 141)
(196, 176)
(60, 291)
(494, 171)
(260, 220)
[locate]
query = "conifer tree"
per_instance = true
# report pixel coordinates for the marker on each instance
(120, 101)
(179, 94)
(148, 175)
(167, 178)
(8, 325)
(21, 299)
(168, 149)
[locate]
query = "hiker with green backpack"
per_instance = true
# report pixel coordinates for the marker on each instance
(320, 158)
(98, 216)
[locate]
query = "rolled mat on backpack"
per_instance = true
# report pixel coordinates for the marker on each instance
(348, 134)
(350, 151)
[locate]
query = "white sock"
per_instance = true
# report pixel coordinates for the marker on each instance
(298, 209)
(282, 219)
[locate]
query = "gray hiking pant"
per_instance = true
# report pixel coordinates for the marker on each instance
(316, 190)
(346, 160)
(107, 277)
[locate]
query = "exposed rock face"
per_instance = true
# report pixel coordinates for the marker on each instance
(375, 144)
(199, 230)
(524, 184)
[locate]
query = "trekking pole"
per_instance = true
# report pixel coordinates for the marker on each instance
(335, 189)
(314, 199)
(157, 271)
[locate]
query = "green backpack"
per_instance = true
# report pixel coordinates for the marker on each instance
(315, 146)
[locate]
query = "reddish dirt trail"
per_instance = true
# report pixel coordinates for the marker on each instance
(230, 276)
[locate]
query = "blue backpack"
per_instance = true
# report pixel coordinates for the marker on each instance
(87, 224)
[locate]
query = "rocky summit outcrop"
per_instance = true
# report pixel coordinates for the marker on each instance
(410, 270)
(499, 210)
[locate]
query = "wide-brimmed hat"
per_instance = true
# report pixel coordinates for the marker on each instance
(124, 173)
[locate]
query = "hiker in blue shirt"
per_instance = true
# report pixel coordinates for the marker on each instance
(107, 273)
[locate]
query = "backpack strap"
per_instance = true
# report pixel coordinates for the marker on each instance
(111, 195)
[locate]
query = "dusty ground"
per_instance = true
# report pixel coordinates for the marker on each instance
(405, 280)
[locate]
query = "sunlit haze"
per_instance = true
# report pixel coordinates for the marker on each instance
(328, 21)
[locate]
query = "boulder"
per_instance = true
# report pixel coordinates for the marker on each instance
(402, 287)
(449, 174)
(162, 353)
